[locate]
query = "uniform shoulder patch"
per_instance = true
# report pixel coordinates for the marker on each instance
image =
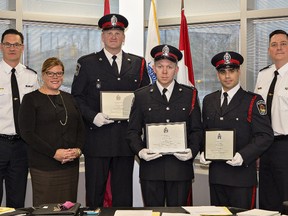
(30, 69)
(261, 106)
(265, 68)
(78, 66)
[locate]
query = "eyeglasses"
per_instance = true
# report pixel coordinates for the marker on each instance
(51, 74)
(9, 45)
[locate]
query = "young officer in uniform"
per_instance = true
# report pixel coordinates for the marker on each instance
(272, 83)
(233, 182)
(16, 80)
(165, 177)
(105, 149)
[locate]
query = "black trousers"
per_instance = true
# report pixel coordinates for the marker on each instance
(239, 197)
(165, 193)
(273, 175)
(96, 174)
(13, 171)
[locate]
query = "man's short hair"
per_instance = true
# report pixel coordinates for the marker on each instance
(12, 31)
(278, 31)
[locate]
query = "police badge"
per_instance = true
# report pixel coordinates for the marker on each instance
(261, 106)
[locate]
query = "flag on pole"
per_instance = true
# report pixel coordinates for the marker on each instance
(106, 7)
(153, 39)
(108, 193)
(185, 74)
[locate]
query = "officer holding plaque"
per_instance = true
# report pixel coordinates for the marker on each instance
(101, 82)
(169, 114)
(236, 124)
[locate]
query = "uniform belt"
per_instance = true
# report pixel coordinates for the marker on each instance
(281, 137)
(10, 137)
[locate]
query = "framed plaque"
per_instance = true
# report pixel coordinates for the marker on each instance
(166, 138)
(117, 105)
(219, 144)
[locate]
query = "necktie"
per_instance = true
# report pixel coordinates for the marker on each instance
(164, 95)
(271, 93)
(114, 64)
(15, 99)
(225, 102)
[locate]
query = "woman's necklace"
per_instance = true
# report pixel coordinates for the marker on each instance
(66, 113)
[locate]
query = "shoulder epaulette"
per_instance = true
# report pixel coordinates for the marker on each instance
(265, 68)
(144, 87)
(188, 87)
(85, 56)
(30, 69)
(135, 55)
(252, 93)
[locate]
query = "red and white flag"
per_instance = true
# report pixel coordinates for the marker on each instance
(108, 193)
(185, 74)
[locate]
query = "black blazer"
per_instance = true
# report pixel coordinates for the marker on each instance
(252, 138)
(95, 74)
(149, 107)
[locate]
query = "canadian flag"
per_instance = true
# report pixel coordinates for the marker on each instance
(185, 74)
(108, 193)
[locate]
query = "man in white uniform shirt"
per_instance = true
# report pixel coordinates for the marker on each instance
(273, 173)
(13, 154)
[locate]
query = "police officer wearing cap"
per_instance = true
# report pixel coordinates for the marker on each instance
(105, 149)
(13, 152)
(233, 182)
(273, 172)
(165, 177)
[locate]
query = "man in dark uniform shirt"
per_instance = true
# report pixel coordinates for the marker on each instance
(105, 148)
(233, 182)
(165, 177)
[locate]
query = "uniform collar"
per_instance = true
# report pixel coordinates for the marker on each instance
(283, 69)
(169, 88)
(109, 55)
(232, 91)
(7, 68)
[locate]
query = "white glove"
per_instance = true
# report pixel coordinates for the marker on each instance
(185, 155)
(102, 119)
(203, 160)
(237, 160)
(148, 155)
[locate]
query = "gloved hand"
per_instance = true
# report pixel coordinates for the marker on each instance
(184, 156)
(148, 155)
(203, 160)
(237, 160)
(102, 119)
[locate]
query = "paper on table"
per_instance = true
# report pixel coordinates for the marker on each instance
(207, 210)
(174, 214)
(258, 212)
(4, 210)
(133, 213)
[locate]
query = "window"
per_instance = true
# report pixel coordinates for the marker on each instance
(67, 42)
(258, 42)
(206, 41)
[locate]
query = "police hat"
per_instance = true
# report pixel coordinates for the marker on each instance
(227, 59)
(113, 21)
(166, 52)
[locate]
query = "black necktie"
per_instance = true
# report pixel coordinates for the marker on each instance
(271, 93)
(225, 102)
(164, 95)
(114, 65)
(15, 99)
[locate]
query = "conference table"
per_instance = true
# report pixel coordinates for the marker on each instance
(110, 211)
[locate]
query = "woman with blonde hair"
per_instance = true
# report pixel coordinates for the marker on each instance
(52, 126)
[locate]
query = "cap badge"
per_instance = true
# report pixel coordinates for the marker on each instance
(114, 20)
(227, 58)
(165, 50)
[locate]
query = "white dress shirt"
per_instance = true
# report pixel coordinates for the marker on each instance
(279, 109)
